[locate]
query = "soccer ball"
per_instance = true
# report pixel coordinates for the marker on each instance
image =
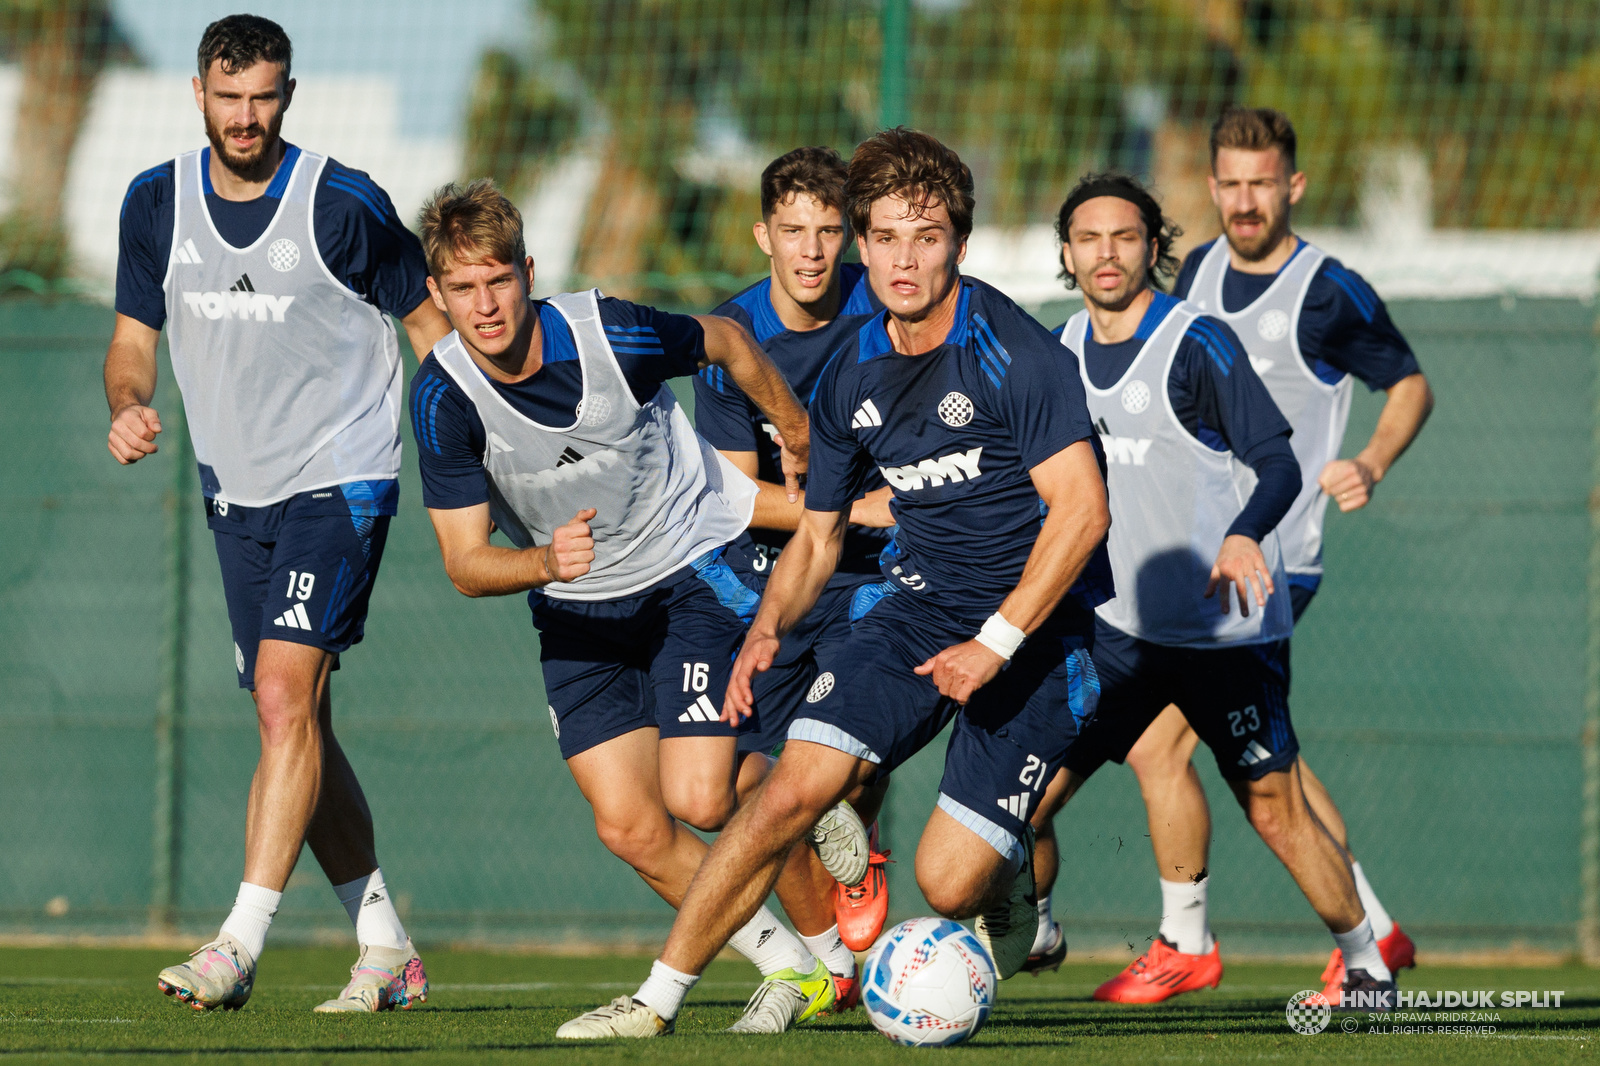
(928, 983)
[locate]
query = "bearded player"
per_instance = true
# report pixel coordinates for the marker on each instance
(272, 269)
(800, 314)
(1201, 473)
(1310, 326)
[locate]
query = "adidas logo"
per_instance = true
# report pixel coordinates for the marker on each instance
(1017, 806)
(766, 934)
(571, 455)
(294, 618)
(1254, 753)
(242, 285)
(700, 711)
(866, 417)
(187, 252)
(376, 897)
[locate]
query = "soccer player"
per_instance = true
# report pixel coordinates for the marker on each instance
(551, 420)
(800, 314)
(1201, 472)
(970, 410)
(1310, 325)
(271, 269)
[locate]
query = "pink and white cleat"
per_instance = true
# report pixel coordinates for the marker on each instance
(382, 979)
(221, 974)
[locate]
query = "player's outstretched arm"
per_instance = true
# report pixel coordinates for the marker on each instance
(1350, 481)
(730, 346)
(478, 568)
(130, 374)
(1070, 485)
(807, 562)
(425, 326)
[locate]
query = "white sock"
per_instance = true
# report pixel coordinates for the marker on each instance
(765, 942)
(366, 900)
(829, 947)
(1382, 924)
(664, 989)
(1360, 950)
(251, 917)
(1045, 938)
(1183, 916)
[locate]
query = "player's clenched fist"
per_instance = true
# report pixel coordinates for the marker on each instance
(1349, 482)
(571, 549)
(133, 433)
(961, 670)
(1240, 565)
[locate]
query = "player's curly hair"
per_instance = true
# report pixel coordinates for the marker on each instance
(814, 171)
(239, 42)
(473, 223)
(908, 163)
(1129, 188)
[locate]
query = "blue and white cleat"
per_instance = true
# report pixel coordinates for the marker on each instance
(382, 979)
(221, 974)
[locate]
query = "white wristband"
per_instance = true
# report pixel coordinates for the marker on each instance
(1000, 636)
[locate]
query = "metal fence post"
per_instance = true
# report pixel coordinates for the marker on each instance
(895, 22)
(1589, 846)
(166, 840)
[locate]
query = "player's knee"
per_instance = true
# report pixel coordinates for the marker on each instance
(284, 706)
(705, 806)
(1158, 764)
(1272, 814)
(636, 841)
(951, 892)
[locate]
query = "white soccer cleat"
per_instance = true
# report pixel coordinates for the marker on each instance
(220, 974)
(840, 841)
(1008, 928)
(786, 999)
(382, 979)
(621, 1017)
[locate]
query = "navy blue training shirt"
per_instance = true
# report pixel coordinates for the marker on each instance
(650, 345)
(730, 422)
(955, 431)
(359, 236)
(1344, 326)
(1219, 400)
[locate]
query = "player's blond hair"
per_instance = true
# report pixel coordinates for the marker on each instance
(474, 223)
(1253, 129)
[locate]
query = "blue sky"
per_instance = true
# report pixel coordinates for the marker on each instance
(432, 54)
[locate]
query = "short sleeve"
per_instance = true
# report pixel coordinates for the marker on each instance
(364, 243)
(1345, 325)
(1229, 397)
(839, 466)
(651, 346)
(450, 441)
(1041, 397)
(144, 244)
(722, 413)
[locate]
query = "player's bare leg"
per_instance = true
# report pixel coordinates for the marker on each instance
(290, 681)
(621, 779)
(1174, 801)
(1323, 806)
(1277, 809)
(340, 834)
(959, 872)
(1049, 949)
(804, 888)
(747, 858)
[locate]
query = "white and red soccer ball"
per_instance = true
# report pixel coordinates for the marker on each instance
(928, 983)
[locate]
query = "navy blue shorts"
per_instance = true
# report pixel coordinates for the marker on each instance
(1235, 698)
(308, 584)
(657, 659)
(1302, 588)
(1007, 742)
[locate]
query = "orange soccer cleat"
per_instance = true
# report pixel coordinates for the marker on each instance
(847, 992)
(1398, 952)
(862, 909)
(1161, 973)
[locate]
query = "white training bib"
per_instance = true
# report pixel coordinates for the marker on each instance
(664, 497)
(1269, 328)
(290, 380)
(1172, 501)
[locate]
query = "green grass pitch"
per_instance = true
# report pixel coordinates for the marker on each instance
(63, 1003)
